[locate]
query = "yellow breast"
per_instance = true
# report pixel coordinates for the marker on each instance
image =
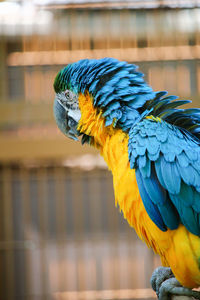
(178, 248)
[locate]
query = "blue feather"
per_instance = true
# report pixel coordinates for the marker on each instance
(189, 175)
(196, 201)
(170, 175)
(108, 122)
(142, 161)
(154, 157)
(111, 107)
(186, 195)
(158, 196)
(183, 159)
(141, 141)
(187, 215)
(169, 214)
(150, 207)
(170, 156)
(159, 172)
(146, 170)
(162, 135)
(140, 150)
(192, 155)
(154, 189)
(152, 144)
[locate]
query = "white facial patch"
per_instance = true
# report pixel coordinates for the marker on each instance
(68, 100)
(74, 114)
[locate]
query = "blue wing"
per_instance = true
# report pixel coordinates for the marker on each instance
(167, 163)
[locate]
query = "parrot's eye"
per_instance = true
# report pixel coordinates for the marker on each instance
(67, 94)
(69, 99)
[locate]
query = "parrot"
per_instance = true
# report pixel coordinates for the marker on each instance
(152, 148)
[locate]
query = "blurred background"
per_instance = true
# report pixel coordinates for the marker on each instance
(61, 236)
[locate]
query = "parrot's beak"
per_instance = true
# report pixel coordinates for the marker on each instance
(66, 119)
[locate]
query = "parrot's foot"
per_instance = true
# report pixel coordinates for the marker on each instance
(159, 276)
(165, 285)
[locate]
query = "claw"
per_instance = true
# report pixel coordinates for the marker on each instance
(159, 276)
(173, 287)
(165, 285)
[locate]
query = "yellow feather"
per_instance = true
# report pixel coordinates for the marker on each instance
(157, 119)
(178, 248)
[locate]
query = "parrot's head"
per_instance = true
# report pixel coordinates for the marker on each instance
(67, 113)
(116, 90)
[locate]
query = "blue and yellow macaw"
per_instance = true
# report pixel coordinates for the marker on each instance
(153, 150)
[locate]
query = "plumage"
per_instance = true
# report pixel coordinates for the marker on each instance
(149, 205)
(152, 148)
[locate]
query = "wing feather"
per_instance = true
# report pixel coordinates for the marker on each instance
(167, 163)
(151, 208)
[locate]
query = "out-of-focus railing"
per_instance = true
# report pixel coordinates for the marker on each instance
(63, 238)
(30, 62)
